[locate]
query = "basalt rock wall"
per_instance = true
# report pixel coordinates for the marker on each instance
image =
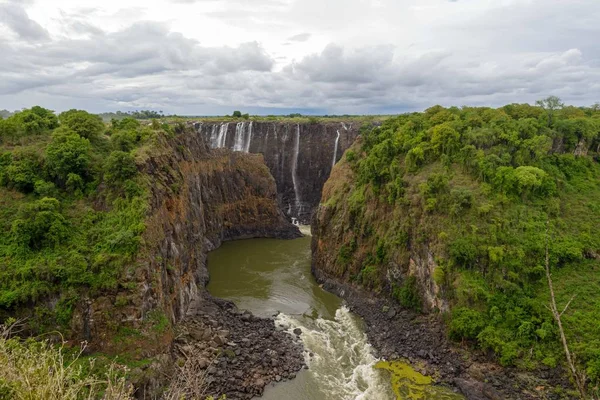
(198, 198)
(300, 156)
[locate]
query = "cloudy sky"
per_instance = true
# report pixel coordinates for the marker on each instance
(206, 57)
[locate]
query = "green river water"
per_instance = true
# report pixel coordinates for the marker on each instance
(268, 277)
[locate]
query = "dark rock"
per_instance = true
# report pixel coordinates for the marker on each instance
(297, 331)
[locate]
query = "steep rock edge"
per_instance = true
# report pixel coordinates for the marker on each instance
(345, 232)
(198, 199)
(300, 156)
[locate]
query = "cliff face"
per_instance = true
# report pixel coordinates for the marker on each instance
(299, 156)
(199, 198)
(359, 238)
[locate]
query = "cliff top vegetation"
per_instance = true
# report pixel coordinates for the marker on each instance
(475, 187)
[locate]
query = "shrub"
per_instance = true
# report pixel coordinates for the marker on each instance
(463, 251)
(466, 323)
(408, 294)
(40, 224)
(21, 170)
(44, 189)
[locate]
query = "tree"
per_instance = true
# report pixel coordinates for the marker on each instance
(67, 153)
(550, 104)
(20, 169)
(40, 224)
(119, 167)
(237, 114)
(34, 121)
(83, 123)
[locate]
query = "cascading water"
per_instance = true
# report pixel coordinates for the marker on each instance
(222, 138)
(337, 139)
(249, 139)
(298, 200)
(238, 142)
(214, 137)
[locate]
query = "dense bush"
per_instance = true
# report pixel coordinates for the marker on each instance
(40, 224)
(119, 167)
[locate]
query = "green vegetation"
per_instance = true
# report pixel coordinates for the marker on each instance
(73, 208)
(474, 187)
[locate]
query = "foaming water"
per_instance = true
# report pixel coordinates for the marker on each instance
(339, 356)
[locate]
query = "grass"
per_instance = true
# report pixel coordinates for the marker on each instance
(31, 370)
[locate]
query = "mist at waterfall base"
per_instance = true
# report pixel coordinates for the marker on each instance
(269, 277)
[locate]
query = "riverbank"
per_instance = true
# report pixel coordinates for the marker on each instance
(396, 333)
(234, 352)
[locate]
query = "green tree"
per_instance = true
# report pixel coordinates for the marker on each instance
(67, 153)
(237, 114)
(34, 121)
(83, 123)
(119, 167)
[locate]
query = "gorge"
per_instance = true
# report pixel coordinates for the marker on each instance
(427, 227)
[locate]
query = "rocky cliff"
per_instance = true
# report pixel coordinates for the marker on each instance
(198, 199)
(300, 156)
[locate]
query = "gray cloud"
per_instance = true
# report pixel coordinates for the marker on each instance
(14, 16)
(509, 52)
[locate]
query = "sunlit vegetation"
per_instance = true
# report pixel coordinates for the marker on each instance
(475, 187)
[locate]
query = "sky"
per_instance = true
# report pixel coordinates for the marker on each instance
(210, 57)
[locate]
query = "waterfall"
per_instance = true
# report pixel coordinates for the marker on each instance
(249, 140)
(222, 138)
(295, 170)
(337, 139)
(344, 126)
(238, 142)
(213, 137)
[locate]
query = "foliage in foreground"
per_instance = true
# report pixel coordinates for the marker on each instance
(476, 186)
(31, 369)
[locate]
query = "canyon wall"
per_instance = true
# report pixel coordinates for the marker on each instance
(198, 198)
(300, 156)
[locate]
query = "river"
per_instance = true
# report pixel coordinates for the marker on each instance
(272, 277)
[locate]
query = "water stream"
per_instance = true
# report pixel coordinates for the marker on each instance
(272, 277)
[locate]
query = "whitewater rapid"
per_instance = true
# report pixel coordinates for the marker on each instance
(339, 356)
